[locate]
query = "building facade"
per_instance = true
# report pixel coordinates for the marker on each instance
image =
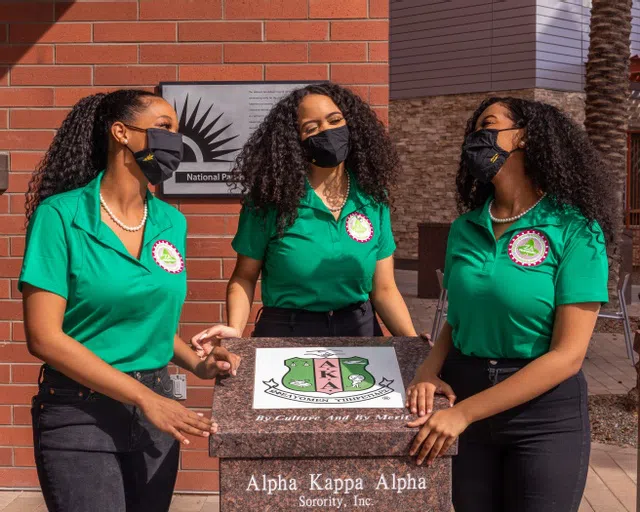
(445, 57)
(52, 53)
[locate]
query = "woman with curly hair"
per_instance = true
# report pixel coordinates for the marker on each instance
(315, 221)
(526, 270)
(103, 285)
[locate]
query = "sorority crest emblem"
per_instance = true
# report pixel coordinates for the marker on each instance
(167, 256)
(359, 227)
(529, 248)
(345, 377)
(327, 375)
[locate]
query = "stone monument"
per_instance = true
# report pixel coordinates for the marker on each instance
(320, 424)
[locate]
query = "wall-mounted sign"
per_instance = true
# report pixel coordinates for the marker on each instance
(216, 119)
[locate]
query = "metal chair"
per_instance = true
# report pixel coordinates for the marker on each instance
(623, 315)
(441, 309)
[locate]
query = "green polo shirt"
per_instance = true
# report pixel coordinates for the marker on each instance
(123, 309)
(320, 264)
(503, 294)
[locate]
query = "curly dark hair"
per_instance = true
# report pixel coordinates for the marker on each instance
(272, 167)
(79, 150)
(559, 159)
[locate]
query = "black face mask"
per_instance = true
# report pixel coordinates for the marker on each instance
(482, 155)
(162, 156)
(328, 148)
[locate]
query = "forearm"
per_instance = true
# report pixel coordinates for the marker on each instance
(391, 307)
(184, 356)
(528, 383)
(432, 365)
(240, 293)
(80, 364)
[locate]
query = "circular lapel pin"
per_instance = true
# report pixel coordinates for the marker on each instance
(167, 257)
(529, 248)
(359, 227)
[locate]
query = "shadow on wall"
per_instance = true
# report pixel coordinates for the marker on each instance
(24, 23)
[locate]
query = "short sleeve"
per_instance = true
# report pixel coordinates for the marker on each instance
(46, 258)
(583, 270)
(448, 259)
(386, 245)
(253, 235)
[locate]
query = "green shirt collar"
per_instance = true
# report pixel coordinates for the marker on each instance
(88, 217)
(545, 214)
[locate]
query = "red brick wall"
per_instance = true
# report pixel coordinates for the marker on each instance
(53, 53)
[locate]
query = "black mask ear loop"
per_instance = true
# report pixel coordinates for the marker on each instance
(520, 145)
(125, 141)
(483, 155)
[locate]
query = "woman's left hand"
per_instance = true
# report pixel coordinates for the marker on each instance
(219, 362)
(439, 431)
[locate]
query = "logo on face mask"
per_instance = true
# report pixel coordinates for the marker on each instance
(167, 257)
(359, 228)
(162, 156)
(529, 248)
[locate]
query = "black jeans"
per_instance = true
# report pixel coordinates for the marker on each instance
(356, 320)
(532, 458)
(96, 454)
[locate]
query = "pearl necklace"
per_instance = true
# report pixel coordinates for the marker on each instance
(514, 218)
(346, 196)
(119, 222)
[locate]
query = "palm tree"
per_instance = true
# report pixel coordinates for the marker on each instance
(607, 115)
(607, 102)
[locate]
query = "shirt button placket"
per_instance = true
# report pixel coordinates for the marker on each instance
(490, 258)
(335, 234)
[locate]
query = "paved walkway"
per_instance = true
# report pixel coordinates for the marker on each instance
(611, 485)
(33, 502)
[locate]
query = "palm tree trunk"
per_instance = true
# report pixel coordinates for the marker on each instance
(607, 103)
(607, 117)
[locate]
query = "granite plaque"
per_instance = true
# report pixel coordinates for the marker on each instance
(276, 455)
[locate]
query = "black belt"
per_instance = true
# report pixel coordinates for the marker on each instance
(494, 366)
(53, 377)
(455, 355)
(302, 314)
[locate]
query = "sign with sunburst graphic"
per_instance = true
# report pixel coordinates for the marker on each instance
(216, 119)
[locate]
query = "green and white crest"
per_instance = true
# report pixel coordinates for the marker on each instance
(328, 375)
(529, 248)
(167, 257)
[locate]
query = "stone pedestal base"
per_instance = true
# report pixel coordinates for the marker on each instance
(324, 450)
(380, 484)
